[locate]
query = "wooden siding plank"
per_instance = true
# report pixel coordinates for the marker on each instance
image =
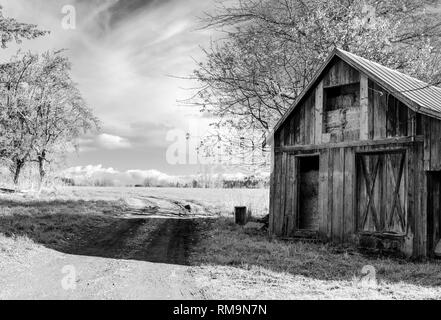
(422, 191)
(282, 136)
(349, 195)
(391, 116)
(330, 194)
(433, 211)
(312, 115)
(382, 193)
(436, 212)
(430, 210)
(338, 189)
(283, 176)
(308, 119)
(283, 193)
(427, 143)
(417, 206)
(323, 192)
(330, 76)
(379, 112)
(297, 133)
(272, 190)
(271, 204)
(411, 200)
(371, 96)
(403, 119)
(295, 194)
(302, 124)
(411, 122)
(435, 158)
(292, 131)
(277, 194)
(360, 194)
(290, 201)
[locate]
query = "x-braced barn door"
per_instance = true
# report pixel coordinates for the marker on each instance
(381, 195)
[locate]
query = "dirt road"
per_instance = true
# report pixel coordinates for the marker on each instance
(136, 257)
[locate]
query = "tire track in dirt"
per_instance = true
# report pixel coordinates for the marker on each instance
(172, 242)
(157, 240)
(112, 241)
(131, 256)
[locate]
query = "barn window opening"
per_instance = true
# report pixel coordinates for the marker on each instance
(342, 107)
(308, 176)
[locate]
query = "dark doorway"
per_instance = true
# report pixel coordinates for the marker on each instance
(308, 174)
(433, 213)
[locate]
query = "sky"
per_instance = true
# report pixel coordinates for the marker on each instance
(127, 58)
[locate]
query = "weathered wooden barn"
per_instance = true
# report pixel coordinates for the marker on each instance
(357, 160)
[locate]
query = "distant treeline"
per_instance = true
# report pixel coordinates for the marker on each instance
(249, 182)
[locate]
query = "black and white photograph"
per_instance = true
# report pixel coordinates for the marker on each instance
(220, 150)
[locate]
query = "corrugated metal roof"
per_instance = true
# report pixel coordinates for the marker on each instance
(422, 94)
(418, 95)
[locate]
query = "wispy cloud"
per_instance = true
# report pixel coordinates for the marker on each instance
(110, 142)
(123, 54)
(103, 141)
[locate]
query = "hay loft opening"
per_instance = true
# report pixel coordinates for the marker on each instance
(342, 107)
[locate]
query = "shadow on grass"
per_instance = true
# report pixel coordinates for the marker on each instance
(226, 244)
(98, 228)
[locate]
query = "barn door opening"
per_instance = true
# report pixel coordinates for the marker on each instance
(434, 213)
(381, 192)
(308, 177)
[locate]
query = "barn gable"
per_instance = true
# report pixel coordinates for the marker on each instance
(358, 159)
(346, 106)
(356, 75)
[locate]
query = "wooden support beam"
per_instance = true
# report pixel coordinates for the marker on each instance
(350, 144)
(364, 107)
(319, 113)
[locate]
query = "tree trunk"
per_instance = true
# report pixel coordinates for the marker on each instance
(41, 167)
(17, 170)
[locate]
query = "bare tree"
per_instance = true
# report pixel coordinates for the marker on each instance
(15, 141)
(12, 30)
(44, 113)
(267, 51)
(60, 114)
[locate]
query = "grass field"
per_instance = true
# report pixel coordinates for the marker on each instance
(235, 264)
(227, 261)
